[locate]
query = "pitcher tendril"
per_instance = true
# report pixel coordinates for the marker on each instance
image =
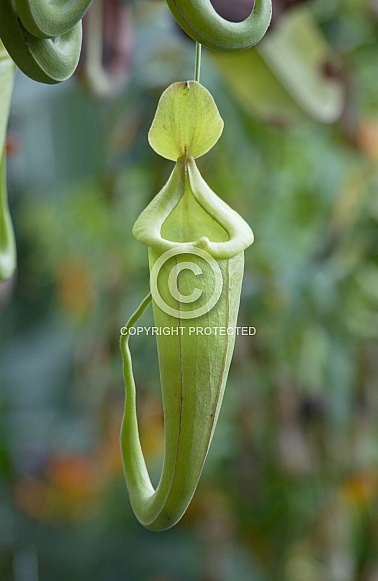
(43, 38)
(202, 22)
(196, 246)
(197, 69)
(8, 257)
(51, 19)
(195, 242)
(7, 240)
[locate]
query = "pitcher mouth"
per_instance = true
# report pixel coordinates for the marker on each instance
(148, 227)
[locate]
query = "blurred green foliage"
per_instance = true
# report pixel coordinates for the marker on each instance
(290, 487)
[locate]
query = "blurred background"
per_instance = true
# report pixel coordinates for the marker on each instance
(289, 491)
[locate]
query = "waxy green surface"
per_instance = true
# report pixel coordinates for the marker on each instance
(185, 215)
(43, 38)
(8, 257)
(202, 22)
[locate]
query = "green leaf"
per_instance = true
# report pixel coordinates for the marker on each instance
(7, 70)
(297, 54)
(283, 79)
(7, 241)
(186, 123)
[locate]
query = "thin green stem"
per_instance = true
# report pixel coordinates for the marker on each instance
(197, 71)
(133, 319)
